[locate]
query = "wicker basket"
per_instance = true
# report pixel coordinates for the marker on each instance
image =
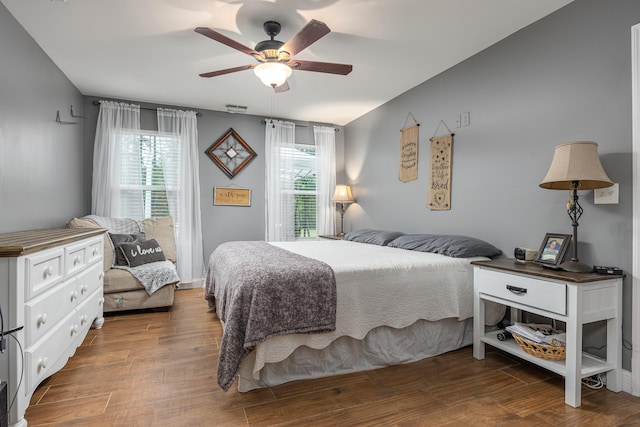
(542, 351)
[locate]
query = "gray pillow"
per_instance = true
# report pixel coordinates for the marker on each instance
(142, 252)
(118, 239)
(449, 245)
(371, 236)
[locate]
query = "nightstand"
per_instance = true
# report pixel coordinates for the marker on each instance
(573, 298)
(332, 237)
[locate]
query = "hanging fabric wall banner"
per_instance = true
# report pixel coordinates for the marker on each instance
(409, 153)
(440, 175)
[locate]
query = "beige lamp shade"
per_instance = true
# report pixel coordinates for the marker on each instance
(342, 194)
(576, 162)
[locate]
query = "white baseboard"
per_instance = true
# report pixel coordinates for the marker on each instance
(627, 382)
(191, 285)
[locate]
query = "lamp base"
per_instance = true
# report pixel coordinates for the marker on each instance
(576, 267)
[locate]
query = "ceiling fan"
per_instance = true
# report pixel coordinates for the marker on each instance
(275, 57)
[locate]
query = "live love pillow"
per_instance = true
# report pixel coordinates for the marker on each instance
(139, 253)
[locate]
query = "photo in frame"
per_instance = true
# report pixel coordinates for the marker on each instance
(552, 249)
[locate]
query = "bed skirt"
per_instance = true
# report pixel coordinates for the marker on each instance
(381, 347)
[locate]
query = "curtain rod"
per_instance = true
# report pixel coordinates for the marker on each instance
(198, 113)
(264, 122)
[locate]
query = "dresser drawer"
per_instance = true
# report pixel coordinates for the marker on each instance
(90, 280)
(88, 311)
(76, 258)
(51, 353)
(537, 293)
(94, 250)
(44, 270)
(44, 312)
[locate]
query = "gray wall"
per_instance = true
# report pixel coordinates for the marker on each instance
(219, 223)
(564, 78)
(41, 166)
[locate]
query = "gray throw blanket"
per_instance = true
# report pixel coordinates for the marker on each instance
(152, 276)
(265, 291)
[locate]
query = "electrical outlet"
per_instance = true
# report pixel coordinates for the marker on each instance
(458, 121)
(466, 119)
(606, 196)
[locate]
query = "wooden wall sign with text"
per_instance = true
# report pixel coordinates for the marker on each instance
(439, 198)
(408, 154)
(225, 196)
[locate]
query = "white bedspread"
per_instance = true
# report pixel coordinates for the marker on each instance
(378, 285)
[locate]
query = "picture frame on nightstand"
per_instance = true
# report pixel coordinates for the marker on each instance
(552, 249)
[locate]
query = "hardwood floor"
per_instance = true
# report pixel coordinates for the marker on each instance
(159, 368)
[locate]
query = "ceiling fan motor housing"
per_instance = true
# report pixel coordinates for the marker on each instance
(270, 49)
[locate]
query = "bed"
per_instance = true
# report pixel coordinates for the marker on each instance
(395, 300)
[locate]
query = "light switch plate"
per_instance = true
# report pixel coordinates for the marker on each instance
(606, 196)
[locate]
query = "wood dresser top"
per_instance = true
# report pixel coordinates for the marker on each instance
(25, 242)
(513, 266)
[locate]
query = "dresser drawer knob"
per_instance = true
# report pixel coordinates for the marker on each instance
(74, 295)
(83, 288)
(42, 363)
(76, 260)
(41, 319)
(48, 272)
(95, 251)
(74, 329)
(516, 290)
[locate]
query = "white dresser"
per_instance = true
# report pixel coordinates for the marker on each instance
(51, 285)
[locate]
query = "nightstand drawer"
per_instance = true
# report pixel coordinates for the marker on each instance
(541, 294)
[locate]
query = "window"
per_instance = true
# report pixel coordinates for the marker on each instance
(304, 192)
(148, 175)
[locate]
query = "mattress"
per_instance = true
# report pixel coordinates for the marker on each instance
(378, 286)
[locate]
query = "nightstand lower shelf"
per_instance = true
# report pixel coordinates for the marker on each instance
(591, 365)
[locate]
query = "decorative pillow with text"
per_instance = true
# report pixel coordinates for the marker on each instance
(139, 253)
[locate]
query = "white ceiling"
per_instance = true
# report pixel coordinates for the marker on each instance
(147, 50)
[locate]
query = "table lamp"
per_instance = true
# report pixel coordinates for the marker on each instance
(342, 196)
(575, 166)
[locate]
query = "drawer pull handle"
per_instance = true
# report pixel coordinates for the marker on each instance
(95, 251)
(48, 272)
(76, 260)
(516, 290)
(74, 330)
(42, 319)
(42, 363)
(83, 288)
(74, 295)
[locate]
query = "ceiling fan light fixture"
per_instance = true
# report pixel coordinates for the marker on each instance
(273, 74)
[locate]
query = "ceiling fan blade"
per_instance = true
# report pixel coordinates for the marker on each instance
(214, 35)
(309, 34)
(321, 67)
(227, 71)
(282, 88)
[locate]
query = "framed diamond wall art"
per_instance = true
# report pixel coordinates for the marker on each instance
(231, 153)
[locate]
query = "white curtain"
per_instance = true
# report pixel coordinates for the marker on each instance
(186, 212)
(325, 139)
(279, 163)
(115, 121)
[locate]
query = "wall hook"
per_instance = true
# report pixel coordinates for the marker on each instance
(78, 117)
(60, 122)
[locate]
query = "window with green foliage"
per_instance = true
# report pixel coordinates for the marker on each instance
(148, 175)
(304, 190)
